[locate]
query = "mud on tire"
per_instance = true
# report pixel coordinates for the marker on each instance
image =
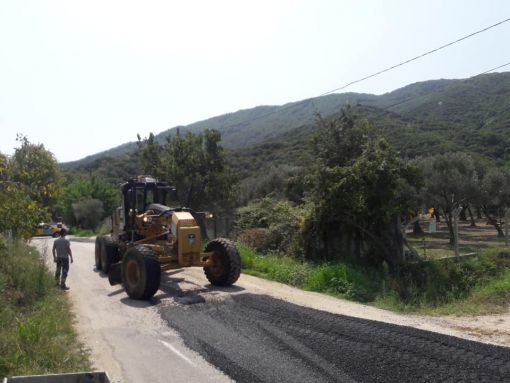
(141, 272)
(227, 262)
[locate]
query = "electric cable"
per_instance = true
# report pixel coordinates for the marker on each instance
(416, 57)
(311, 100)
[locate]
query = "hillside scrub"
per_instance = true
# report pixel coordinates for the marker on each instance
(36, 330)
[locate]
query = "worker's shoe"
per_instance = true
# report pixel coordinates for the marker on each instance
(64, 287)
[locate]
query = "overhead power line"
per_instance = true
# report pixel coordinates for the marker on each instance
(282, 109)
(479, 74)
(493, 69)
(279, 110)
(416, 57)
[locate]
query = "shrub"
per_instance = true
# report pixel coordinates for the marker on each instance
(440, 282)
(269, 225)
(88, 213)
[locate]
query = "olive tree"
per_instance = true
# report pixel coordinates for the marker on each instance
(495, 196)
(451, 181)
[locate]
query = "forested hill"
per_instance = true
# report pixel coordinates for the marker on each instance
(474, 112)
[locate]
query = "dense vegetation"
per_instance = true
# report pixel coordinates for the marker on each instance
(476, 286)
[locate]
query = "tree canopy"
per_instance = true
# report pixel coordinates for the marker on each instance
(195, 164)
(354, 186)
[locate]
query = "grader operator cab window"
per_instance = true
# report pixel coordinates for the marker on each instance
(140, 200)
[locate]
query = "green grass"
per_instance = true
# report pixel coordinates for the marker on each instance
(338, 279)
(101, 230)
(277, 268)
(36, 330)
(487, 298)
(477, 285)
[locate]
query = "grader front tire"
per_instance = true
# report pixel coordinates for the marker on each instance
(226, 266)
(141, 272)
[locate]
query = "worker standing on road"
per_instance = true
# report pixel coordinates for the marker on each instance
(61, 254)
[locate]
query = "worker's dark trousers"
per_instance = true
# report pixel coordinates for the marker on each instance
(61, 272)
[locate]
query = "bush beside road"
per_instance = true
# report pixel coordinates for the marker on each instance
(36, 324)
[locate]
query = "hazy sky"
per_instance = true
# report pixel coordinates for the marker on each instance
(84, 76)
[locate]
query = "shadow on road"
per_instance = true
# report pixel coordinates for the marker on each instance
(99, 272)
(116, 292)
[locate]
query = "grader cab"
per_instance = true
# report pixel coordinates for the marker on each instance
(148, 237)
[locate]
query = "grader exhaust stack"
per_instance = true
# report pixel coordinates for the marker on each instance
(148, 237)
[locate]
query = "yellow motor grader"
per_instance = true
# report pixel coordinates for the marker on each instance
(149, 237)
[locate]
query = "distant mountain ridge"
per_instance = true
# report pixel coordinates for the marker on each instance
(455, 108)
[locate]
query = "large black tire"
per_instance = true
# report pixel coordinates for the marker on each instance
(227, 262)
(97, 253)
(109, 253)
(141, 272)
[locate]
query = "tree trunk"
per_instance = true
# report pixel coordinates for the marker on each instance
(436, 214)
(449, 222)
(394, 242)
(462, 215)
(417, 228)
(473, 223)
(494, 222)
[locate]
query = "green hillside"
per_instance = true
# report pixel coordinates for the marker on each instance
(432, 116)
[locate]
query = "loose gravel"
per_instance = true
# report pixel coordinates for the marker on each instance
(256, 338)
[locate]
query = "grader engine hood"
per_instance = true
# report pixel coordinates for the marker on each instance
(187, 231)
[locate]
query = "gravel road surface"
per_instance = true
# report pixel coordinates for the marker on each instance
(255, 338)
(262, 331)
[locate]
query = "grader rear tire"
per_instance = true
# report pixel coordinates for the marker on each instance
(227, 262)
(97, 253)
(109, 253)
(141, 272)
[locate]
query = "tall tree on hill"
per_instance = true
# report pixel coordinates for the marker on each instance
(196, 165)
(149, 154)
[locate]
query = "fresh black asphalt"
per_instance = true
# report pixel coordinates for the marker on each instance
(255, 338)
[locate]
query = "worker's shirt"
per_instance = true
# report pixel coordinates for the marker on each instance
(62, 246)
